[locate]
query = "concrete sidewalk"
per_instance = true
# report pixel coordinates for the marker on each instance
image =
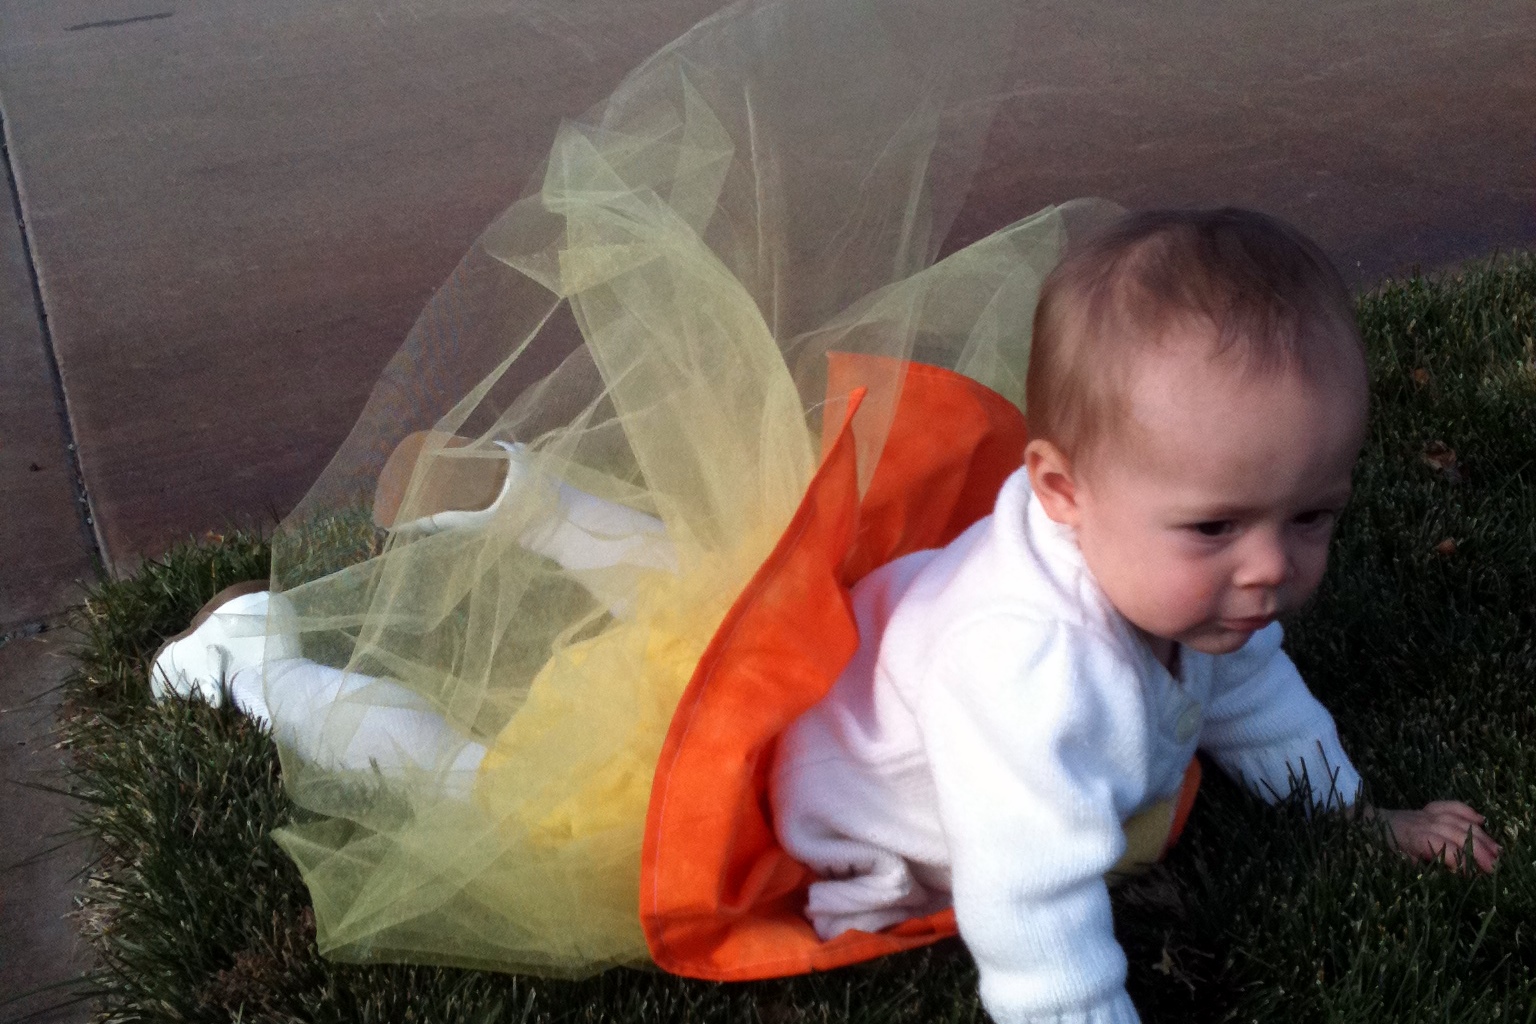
(41, 952)
(234, 212)
(237, 210)
(46, 552)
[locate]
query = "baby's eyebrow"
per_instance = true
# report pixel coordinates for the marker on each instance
(1214, 512)
(1211, 513)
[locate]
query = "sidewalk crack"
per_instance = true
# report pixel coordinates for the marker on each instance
(83, 503)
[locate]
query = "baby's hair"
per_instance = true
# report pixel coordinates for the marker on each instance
(1271, 297)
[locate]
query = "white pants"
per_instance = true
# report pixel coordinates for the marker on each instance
(394, 730)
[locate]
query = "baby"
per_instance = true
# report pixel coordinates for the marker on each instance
(1196, 400)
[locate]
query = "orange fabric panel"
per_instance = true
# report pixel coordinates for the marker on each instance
(717, 894)
(719, 898)
(951, 445)
(1187, 790)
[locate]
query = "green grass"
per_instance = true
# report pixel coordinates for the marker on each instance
(1426, 655)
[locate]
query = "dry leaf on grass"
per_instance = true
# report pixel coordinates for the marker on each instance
(1437, 455)
(1446, 547)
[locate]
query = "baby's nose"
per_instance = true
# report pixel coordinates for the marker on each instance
(1265, 563)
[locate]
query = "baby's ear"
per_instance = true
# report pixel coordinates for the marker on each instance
(1050, 477)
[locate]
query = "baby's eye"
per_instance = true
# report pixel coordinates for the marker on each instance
(1213, 527)
(1316, 517)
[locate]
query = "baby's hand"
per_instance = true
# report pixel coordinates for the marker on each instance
(1439, 832)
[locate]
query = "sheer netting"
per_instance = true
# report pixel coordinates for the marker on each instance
(771, 187)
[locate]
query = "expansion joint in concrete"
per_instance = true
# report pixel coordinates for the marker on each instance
(89, 528)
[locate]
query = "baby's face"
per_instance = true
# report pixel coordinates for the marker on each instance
(1210, 513)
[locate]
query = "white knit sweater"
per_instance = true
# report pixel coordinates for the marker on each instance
(998, 724)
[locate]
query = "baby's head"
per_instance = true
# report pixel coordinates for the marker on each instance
(1196, 402)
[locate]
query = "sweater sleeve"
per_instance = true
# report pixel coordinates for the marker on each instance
(1264, 727)
(1033, 738)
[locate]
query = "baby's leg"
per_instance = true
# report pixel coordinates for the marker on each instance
(462, 490)
(339, 720)
(250, 644)
(587, 532)
(395, 728)
(345, 721)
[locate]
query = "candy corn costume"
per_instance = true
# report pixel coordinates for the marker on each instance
(1002, 740)
(725, 290)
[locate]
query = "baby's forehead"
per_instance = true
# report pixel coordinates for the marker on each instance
(1186, 413)
(1188, 361)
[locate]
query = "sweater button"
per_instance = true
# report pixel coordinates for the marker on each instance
(1189, 724)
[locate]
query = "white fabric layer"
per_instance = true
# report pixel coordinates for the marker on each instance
(581, 531)
(395, 731)
(244, 646)
(997, 725)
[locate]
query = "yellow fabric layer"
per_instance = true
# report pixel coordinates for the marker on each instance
(1146, 833)
(652, 319)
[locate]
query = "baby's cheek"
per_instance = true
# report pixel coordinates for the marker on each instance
(1314, 563)
(1159, 588)
(1194, 591)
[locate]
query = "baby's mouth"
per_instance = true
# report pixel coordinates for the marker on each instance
(1252, 624)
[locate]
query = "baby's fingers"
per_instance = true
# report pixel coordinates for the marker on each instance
(1484, 850)
(1447, 843)
(1455, 808)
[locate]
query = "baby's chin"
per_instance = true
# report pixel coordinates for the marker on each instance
(1217, 640)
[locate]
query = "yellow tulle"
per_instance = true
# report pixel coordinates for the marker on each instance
(652, 319)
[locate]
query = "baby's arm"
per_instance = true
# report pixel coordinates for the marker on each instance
(1031, 740)
(1264, 726)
